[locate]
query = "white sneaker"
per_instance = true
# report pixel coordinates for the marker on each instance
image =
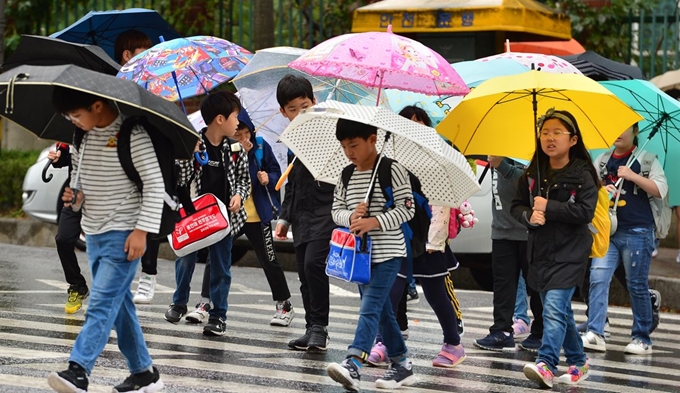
(145, 289)
(637, 347)
(655, 253)
(594, 342)
(200, 314)
(677, 259)
(284, 314)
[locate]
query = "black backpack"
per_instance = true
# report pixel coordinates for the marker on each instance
(163, 147)
(415, 230)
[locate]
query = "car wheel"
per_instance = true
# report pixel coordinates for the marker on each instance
(80, 243)
(483, 278)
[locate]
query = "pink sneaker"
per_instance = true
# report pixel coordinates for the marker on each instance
(574, 375)
(520, 330)
(378, 356)
(539, 373)
(450, 356)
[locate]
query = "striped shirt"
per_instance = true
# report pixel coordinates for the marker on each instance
(388, 240)
(112, 202)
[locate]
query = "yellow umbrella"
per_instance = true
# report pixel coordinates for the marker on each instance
(496, 118)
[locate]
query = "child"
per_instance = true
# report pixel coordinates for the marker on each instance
(349, 210)
(228, 180)
(116, 224)
(68, 233)
(557, 208)
(307, 207)
(129, 44)
(264, 173)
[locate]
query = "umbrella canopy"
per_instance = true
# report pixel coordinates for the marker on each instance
(668, 82)
(40, 50)
(545, 63)
(446, 177)
(660, 129)
(496, 117)
(602, 69)
(382, 60)
(186, 67)
(101, 28)
(26, 99)
(555, 48)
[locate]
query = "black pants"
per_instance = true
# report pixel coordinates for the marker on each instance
(68, 233)
(311, 267)
(507, 258)
(262, 241)
(150, 257)
(619, 273)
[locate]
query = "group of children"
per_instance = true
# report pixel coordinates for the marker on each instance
(554, 202)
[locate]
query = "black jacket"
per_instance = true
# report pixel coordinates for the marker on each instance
(307, 206)
(558, 251)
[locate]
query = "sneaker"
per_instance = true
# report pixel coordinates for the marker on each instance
(200, 314)
(404, 334)
(450, 356)
(145, 289)
(594, 342)
(346, 373)
(677, 258)
(583, 328)
(655, 297)
(318, 338)
(396, 376)
(72, 380)
(531, 344)
(520, 329)
(637, 347)
(284, 314)
(175, 313)
(378, 356)
(496, 341)
(412, 295)
(301, 343)
(539, 373)
(215, 327)
(76, 295)
(574, 375)
(147, 382)
(655, 253)
(461, 326)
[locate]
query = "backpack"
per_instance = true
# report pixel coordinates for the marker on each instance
(163, 147)
(660, 207)
(600, 225)
(415, 230)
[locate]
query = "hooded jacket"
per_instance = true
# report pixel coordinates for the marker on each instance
(558, 251)
(268, 164)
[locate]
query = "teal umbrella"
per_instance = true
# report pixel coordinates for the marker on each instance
(472, 72)
(660, 129)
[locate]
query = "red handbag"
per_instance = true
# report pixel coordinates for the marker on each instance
(207, 226)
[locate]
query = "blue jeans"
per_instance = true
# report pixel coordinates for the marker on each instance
(111, 305)
(632, 247)
(376, 314)
(559, 330)
(220, 277)
(521, 308)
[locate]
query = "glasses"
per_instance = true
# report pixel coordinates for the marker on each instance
(75, 119)
(554, 134)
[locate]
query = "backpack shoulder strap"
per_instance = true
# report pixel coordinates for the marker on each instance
(601, 165)
(125, 153)
(646, 161)
(347, 174)
(385, 180)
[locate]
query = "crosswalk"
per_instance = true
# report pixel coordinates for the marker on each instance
(253, 356)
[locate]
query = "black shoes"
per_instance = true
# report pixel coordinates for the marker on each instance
(215, 327)
(175, 313)
(72, 380)
(147, 382)
(301, 343)
(318, 339)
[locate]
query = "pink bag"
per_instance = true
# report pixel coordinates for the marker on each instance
(454, 224)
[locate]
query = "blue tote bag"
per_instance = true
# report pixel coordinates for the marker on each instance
(349, 258)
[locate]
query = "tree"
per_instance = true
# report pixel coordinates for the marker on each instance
(263, 29)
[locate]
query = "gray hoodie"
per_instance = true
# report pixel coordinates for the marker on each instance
(504, 185)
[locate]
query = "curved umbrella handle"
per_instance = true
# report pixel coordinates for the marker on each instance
(45, 177)
(201, 157)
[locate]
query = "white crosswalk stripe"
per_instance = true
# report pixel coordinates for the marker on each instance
(36, 341)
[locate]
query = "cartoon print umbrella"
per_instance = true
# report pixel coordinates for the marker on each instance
(186, 67)
(536, 61)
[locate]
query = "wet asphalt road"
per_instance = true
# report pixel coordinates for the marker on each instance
(36, 337)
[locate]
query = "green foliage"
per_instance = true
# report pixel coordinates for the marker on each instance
(14, 164)
(600, 29)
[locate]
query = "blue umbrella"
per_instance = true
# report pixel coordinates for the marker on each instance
(102, 27)
(472, 72)
(660, 129)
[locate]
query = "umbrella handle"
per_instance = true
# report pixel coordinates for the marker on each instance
(45, 177)
(201, 157)
(284, 176)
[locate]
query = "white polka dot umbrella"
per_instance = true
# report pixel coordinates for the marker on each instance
(446, 177)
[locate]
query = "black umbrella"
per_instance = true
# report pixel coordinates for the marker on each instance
(602, 69)
(26, 99)
(39, 50)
